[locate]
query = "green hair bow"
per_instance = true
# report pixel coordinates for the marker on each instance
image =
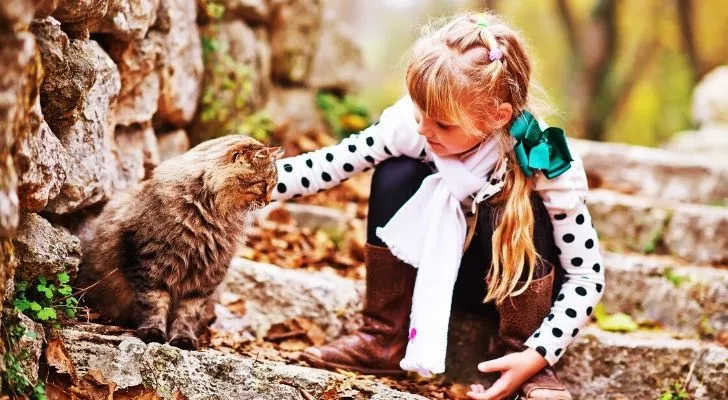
(540, 150)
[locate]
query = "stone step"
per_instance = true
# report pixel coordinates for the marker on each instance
(657, 173)
(209, 374)
(636, 285)
(306, 294)
(602, 365)
(681, 298)
(696, 233)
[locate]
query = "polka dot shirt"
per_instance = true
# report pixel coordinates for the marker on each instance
(564, 197)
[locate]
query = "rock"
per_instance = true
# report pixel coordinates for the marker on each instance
(710, 98)
(274, 295)
(209, 374)
(699, 233)
(711, 139)
(237, 79)
(638, 285)
(76, 11)
(294, 110)
(250, 11)
(656, 173)
(69, 72)
(39, 158)
(45, 8)
(43, 250)
(137, 153)
(627, 222)
(17, 55)
(172, 144)
(253, 11)
(80, 87)
(600, 365)
(41, 162)
(9, 204)
(16, 15)
(127, 20)
(295, 28)
(181, 62)
(694, 232)
(338, 63)
(29, 346)
(137, 61)
(310, 216)
(7, 271)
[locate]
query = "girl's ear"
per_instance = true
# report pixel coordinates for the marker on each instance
(503, 115)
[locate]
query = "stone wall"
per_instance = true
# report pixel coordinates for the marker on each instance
(95, 93)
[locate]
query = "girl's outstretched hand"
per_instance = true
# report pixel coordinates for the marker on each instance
(515, 369)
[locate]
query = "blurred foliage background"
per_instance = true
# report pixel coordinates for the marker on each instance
(614, 70)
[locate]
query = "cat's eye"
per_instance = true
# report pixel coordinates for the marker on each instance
(236, 156)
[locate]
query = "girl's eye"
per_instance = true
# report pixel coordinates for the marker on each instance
(443, 126)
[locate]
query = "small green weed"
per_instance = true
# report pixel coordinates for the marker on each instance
(673, 277)
(15, 381)
(344, 115)
(41, 300)
(675, 392)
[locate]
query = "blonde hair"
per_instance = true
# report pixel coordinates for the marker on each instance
(454, 77)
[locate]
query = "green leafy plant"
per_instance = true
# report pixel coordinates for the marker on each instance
(41, 300)
(213, 10)
(14, 378)
(653, 240)
(344, 115)
(228, 103)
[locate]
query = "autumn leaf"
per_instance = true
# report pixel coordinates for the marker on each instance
(619, 322)
(57, 357)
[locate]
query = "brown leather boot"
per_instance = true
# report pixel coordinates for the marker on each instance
(522, 315)
(379, 345)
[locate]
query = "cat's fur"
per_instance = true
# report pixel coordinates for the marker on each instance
(156, 253)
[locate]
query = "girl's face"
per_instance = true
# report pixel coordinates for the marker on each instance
(446, 139)
(443, 138)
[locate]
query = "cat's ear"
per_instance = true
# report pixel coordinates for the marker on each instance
(266, 153)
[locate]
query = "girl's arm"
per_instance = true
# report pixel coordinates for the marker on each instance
(394, 135)
(576, 239)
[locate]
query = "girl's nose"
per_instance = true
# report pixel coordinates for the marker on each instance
(422, 128)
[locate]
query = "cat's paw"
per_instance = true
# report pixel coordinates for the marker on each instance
(151, 334)
(184, 342)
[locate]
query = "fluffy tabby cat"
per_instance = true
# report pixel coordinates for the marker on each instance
(156, 253)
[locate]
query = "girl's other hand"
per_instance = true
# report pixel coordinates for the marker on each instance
(515, 369)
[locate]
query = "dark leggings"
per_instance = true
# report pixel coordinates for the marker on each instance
(397, 179)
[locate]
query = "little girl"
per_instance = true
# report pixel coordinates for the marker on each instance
(473, 200)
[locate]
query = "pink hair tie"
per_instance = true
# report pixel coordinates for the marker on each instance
(494, 53)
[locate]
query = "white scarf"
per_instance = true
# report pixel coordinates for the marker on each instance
(428, 232)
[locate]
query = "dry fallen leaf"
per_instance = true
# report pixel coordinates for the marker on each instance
(314, 333)
(94, 386)
(57, 357)
(294, 345)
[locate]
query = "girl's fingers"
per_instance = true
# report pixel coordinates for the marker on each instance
(499, 389)
(498, 364)
(477, 396)
(477, 388)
